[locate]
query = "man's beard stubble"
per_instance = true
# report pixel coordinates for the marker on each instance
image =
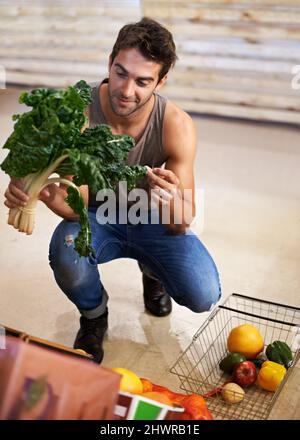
(130, 111)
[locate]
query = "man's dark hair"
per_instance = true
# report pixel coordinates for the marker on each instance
(153, 41)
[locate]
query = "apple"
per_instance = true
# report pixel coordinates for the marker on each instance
(245, 374)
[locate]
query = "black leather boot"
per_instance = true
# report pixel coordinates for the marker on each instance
(156, 299)
(91, 334)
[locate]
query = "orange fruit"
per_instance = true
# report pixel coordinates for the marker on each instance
(158, 397)
(147, 385)
(80, 351)
(245, 339)
(130, 382)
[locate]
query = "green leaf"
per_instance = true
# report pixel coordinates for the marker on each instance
(83, 240)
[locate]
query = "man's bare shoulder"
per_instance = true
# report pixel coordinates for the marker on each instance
(178, 127)
(174, 115)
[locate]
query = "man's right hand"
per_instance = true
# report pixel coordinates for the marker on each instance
(14, 195)
(52, 195)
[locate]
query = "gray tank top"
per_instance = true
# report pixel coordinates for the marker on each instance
(149, 149)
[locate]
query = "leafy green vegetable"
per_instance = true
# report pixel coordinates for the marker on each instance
(49, 139)
(83, 239)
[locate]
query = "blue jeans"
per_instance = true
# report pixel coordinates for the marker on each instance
(180, 262)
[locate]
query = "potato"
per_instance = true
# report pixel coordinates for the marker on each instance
(232, 393)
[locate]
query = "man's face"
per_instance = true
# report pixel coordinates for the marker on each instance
(132, 81)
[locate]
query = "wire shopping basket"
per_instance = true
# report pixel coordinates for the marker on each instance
(198, 366)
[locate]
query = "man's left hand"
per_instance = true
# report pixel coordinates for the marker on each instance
(164, 184)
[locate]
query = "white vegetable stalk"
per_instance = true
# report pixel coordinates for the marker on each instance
(23, 218)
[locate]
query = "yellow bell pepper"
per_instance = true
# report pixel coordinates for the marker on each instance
(270, 375)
